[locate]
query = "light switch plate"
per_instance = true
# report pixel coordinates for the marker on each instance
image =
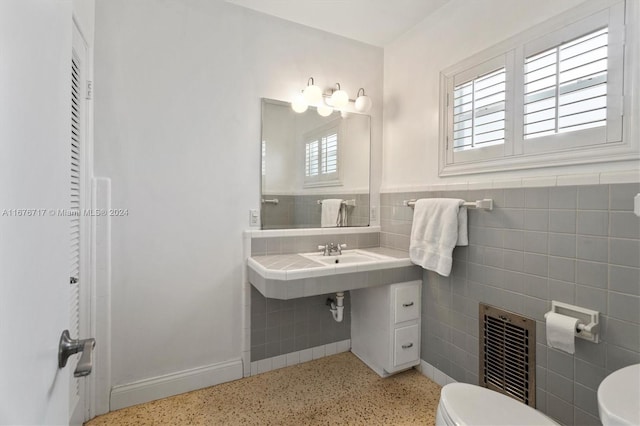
(636, 204)
(254, 217)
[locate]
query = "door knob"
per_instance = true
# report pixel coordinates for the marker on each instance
(69, 346)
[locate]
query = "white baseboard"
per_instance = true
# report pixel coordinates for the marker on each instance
(174, 384)
(434, 374)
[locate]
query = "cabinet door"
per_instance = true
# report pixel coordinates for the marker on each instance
(407, 303)
(406, 345)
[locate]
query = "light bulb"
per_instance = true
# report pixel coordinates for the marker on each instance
(363, 103)
(299, 104)
(339, 98)
(312, 94)
(324, 110)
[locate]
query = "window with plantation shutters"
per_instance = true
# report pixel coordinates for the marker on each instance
(329, 154)
(312, 159)
(478, 111)
(321, 156)
(565, 87)
(572, 88)
(477, 104)
(550, 96)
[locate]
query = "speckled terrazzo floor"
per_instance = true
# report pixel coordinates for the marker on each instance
(336, 390)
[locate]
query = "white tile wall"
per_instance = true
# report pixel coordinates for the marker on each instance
(434, 374)
(298, 357)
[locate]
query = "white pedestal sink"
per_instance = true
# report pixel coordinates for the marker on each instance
(619, 397)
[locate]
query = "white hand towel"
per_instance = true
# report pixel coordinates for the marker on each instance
(438, 225)
(330, 212)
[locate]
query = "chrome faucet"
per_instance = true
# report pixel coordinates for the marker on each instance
(329, 248)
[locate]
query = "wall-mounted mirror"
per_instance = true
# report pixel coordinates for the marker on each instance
(315, 170)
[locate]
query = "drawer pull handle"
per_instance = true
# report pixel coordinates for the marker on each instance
(406, 305)
(407, 346)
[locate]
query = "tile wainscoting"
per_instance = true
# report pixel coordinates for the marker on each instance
(575, 244)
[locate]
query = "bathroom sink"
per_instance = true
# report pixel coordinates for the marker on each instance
(289, 276)
(618, 397)
(347, 257)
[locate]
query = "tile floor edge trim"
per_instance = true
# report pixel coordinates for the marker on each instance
(174, 384)
(299, 357)
(434, 374)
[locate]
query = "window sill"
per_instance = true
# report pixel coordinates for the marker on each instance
(600, 154)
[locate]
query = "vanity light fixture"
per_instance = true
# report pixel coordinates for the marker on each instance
(312, 93)
(339, 98)
(299, 103)
(326, 103)
(363, 102)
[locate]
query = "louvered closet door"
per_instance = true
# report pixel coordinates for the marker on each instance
(78, 202)
(74, 232)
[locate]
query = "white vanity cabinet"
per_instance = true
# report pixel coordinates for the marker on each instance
(385, 326)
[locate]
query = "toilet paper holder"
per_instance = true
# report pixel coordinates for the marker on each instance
(588, 326)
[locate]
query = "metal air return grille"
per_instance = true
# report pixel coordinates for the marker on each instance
(507, 354)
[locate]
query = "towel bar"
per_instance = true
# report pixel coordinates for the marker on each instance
(348, 203)
(486, 204)
(272, 201)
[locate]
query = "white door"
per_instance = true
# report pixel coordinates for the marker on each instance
(35, 52)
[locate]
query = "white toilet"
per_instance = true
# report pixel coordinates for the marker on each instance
(465, 404)
(618, 397)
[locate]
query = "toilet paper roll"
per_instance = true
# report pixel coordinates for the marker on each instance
(561, 331)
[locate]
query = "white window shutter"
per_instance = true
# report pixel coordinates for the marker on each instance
(565, 87)
(479, 111)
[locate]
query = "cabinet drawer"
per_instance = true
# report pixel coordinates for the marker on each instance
(406, 344)
(407, 303)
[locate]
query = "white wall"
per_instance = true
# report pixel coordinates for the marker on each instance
(413, 63)
(355, 153)
(84, 12)
(278, 131)
(177, 105)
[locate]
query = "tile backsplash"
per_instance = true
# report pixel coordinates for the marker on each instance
(575, 244)
(310, 243)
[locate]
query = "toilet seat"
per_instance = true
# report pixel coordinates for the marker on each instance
(465, 404)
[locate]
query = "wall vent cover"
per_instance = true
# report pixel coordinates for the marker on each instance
(507, 354)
